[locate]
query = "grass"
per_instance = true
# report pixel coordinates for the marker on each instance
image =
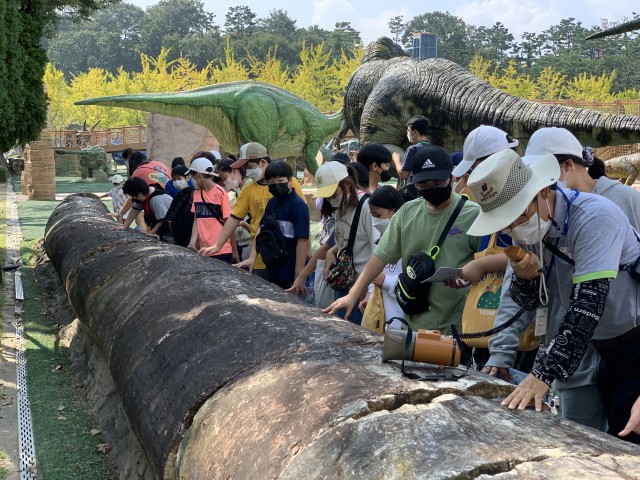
(65, 448)
(3, 247)
(4, 472)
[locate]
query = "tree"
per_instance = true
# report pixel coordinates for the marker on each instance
(168, 18)
(396, 27)
(239, 21)
(551, 84)
(589, 87)
(343, 37)
(278, 22)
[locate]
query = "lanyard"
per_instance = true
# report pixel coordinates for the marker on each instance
(565, 227)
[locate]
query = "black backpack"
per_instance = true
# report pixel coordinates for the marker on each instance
(412, 289)
(178, 222)
(271, 243)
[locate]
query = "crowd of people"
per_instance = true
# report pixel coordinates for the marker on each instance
(576, 281)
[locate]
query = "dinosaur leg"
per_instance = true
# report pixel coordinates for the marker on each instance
(631, 179)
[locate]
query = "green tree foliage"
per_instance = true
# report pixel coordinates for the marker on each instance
(240, 21)
(396, 27)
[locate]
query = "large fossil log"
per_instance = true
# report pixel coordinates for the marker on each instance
(224, 376)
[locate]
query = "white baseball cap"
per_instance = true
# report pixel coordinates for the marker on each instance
(202, 165)
(482, 142)
(554, 140)
(328, 176)
(216, 154)
(116, 179)
(504, 186)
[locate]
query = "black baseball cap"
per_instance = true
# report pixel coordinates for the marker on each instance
(430, 163)
(181, 170)
(341, 157)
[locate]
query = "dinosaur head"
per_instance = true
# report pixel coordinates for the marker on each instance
(382, 49)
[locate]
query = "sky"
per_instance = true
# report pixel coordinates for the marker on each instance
(371, 17)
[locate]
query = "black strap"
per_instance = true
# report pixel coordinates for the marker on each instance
(558, 253)
(452, 219)
(354, 225)
(206, 204)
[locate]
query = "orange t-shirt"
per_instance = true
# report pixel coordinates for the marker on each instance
(211, 209)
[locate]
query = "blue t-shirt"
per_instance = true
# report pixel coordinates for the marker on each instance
(173, 191)
(292, 214)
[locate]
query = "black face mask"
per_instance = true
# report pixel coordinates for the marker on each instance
(385, 176)
(279, 190)
(436, 196)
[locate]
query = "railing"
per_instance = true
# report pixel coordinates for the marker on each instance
(98, 138)
(617, 107)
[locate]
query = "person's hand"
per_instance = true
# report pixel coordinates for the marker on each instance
(120, 227)
(235, 258)
(472, 272)
(329, 262)
(529, 389)
(192, 246)
(347, 302)
(457, 283)
(363, 303)
(248, 264)
(633, 425)
(528, 268)
(298, 287)
(499, 372)
(208, 251)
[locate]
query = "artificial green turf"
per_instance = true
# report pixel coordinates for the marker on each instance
(65, 448)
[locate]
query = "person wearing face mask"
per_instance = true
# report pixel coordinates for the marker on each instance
(178, 222)
(118, 197)
(377, 161)
(417, 135)
(384, 203)
(292, 216)
(171, 188)
(211, 210)
(252, 200)
(579, 396)
(339, 193)
(583, 277)
(416, 227)
(151, 200)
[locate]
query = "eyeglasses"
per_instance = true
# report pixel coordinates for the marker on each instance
(523, 219)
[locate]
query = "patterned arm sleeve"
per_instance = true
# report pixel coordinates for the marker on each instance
(565, 352)
(525, 292)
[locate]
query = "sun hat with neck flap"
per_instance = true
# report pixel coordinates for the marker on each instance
(504, 186)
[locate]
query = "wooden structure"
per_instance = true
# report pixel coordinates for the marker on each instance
(39, 174)
(111, 140)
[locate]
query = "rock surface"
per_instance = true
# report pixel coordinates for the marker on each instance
(225, 376)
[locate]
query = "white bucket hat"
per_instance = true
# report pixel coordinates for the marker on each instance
(504, 186)
(482, 142)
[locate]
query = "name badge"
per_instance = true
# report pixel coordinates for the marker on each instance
(542, 317)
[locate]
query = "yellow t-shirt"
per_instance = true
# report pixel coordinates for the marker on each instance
(252, 201)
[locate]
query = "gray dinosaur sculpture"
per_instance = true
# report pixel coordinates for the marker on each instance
(389, 87)
(626, 168)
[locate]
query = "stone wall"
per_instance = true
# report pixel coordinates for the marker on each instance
(170, 137)
(67, 164)
(39, 175)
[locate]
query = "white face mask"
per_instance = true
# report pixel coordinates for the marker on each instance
(180, 184)
(380, 224)
(254, 174)
(409, 137)
(230, 184)
(335, 202)
(528, 234)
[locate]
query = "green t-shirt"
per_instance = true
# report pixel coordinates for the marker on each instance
(412, 229)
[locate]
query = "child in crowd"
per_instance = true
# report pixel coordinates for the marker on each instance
(150, 199)
(376, 159)
(339, 192)
(170, 187)
(118, 197)
(178, 222)
(211, 209)
(384, 203)
(292, 219)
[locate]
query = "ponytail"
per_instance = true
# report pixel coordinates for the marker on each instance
(597, 169)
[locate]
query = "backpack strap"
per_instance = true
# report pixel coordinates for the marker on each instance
(433, 253)
(217, 217)
(354, 224)
(558, 253)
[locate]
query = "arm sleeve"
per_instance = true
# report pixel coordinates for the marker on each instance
(390, 282)
(525, 292)
(406, 160)
(504, 346)
(565, 351)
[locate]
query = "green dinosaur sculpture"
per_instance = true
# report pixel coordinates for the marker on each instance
(625, 27)
(91, 158)
(241, 112)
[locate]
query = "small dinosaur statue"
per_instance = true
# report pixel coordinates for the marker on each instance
(241, 112)
(626, 168)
